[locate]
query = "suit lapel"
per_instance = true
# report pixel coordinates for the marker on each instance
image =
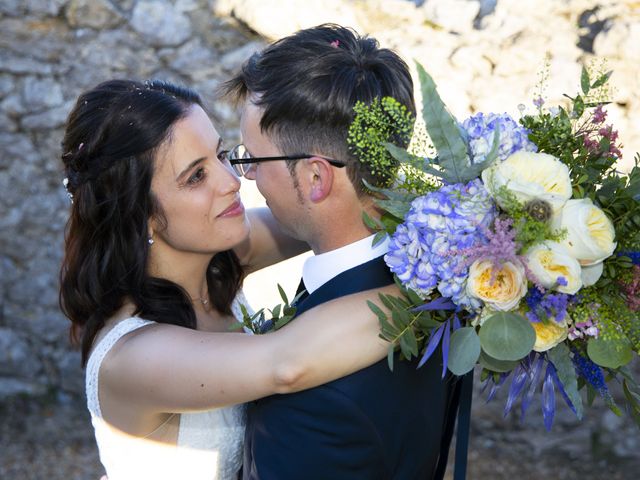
(372, 274)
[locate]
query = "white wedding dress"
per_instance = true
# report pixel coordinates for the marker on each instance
(209, 443)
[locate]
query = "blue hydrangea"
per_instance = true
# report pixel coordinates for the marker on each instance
(422, 249)
(480, 129)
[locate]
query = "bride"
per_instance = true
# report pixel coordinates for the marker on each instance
(157, 245)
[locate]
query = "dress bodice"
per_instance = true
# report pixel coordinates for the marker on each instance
(209, 445)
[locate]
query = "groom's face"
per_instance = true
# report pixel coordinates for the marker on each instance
(274, 180)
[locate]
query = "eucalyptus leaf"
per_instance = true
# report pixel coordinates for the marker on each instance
(507, 336)
(609, 353)
(560, 356)
(397, 208)
(444, 132)
(464, 350)
(398, 195)
(495, 365)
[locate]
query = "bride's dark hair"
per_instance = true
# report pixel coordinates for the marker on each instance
(109, 148)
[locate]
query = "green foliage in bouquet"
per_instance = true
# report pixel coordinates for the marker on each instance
(281, 314)
(375, 124)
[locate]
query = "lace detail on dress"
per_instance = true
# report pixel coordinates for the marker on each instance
(97, 356)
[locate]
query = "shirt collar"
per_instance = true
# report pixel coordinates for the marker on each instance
(319, 269)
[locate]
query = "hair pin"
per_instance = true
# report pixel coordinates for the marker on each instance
(335, 43)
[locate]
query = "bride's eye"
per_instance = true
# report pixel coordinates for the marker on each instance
(197, 176)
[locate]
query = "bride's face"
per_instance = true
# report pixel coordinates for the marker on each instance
(197, 190)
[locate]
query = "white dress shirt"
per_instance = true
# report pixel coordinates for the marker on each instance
(319, 269)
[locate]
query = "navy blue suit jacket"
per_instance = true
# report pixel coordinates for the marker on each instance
(373, 424)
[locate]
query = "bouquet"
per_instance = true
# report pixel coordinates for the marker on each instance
(515, 244)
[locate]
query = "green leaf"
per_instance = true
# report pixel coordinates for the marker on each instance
(370, 222)
(386, 301)
(560, 356)
(397, 208)
(584, 81)
(496, 365)
(464, 350)
(444, 132)
(400, 318)
(377, 310)
(413, 297)
(634, 401)
(282, 294)
(507, 336)
(275, 313)
(409, 344)
(399, 195)
(390, 355)
(379, 237)
(416, 162)
(604, 78)
(578, 106)
(609, 353)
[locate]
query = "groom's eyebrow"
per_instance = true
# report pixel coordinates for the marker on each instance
(196, 162)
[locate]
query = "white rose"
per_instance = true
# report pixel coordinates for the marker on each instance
(550, 260)
(591, 274)
(590, 234)
(501, 289)
(530, 176)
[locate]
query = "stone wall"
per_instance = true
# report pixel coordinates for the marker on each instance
(484, 55)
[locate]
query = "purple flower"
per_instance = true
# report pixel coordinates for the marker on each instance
(546, 306)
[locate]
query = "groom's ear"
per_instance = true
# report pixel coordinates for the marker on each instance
(320, 178)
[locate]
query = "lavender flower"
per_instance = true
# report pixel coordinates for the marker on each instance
(451, 219)
(480, 130)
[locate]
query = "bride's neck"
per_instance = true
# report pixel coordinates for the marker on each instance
(186, 269)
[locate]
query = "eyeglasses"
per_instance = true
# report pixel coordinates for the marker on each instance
(241, 160)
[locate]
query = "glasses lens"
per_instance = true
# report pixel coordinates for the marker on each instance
(240, 169)
(238, 152)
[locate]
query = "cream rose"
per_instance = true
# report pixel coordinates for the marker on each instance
(530, 176)
(590, 234)
(591, 274)
(549, 334)
(550, 260)
(500, 289)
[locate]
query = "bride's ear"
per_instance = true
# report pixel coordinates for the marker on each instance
(320, 177)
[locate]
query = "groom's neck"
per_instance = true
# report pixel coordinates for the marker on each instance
(338, 239)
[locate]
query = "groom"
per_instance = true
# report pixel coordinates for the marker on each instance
(298, 98)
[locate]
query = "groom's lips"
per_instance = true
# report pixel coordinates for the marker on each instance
(235, 209)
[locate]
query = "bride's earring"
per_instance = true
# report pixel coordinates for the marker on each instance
(150, 240)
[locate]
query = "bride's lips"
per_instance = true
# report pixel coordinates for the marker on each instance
(235, 209)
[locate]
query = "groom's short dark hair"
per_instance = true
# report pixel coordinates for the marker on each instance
(308, 83)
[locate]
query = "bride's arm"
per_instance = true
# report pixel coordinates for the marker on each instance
(164, 368)
(267, 243)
